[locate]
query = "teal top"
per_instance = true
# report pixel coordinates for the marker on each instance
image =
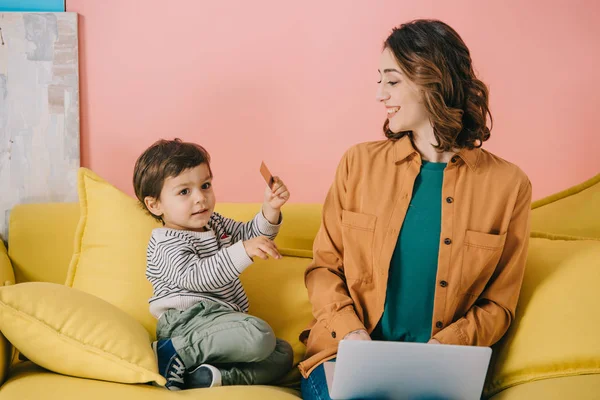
(412, 276)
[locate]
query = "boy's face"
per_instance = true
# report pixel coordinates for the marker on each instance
(186, 201)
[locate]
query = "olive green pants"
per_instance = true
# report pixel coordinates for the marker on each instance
(242, 347)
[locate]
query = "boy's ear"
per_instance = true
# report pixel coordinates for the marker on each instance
(153, 205)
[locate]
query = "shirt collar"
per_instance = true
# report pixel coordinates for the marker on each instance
(403, 149)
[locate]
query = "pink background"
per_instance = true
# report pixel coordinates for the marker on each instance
(293, 84)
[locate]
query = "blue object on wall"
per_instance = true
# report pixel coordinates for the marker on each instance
(32, 5)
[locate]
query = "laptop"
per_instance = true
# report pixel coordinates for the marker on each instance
(407, 371)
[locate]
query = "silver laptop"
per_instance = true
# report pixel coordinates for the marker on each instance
(411, 371)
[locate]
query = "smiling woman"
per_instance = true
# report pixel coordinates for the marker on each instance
(424, 234)
(449, 93)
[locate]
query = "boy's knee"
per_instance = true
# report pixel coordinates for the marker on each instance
(263, 340)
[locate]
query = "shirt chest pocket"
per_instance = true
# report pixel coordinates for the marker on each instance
(357, 238)
(481, 253)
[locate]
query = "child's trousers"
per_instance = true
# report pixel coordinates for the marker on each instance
(243, 347)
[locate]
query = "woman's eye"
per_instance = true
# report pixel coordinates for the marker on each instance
(392, 83)
(184, 192)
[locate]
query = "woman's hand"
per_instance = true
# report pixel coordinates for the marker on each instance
(433, 341)
(360, 334)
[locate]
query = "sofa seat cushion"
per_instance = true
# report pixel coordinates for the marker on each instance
(28, 381)
(580, 387)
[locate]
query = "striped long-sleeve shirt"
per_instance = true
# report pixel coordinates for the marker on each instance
(186, 267)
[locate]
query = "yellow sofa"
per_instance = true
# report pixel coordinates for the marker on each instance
(532, 362)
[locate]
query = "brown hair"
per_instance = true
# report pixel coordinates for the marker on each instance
(433, 56)
(164, 159)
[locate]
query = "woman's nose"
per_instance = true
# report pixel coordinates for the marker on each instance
(382, 94)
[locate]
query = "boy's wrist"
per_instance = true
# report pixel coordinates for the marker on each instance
(271, 214)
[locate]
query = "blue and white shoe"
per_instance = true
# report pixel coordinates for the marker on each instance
(170, 365)
(203, 376)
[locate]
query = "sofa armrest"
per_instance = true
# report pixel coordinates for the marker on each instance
(7, 277)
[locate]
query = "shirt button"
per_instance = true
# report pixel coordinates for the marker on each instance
(443, 283)
(447, 241)
(333, 335)
(439, 325)
(449, 199)
(454, 159)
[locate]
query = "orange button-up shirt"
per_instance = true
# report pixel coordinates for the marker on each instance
(483, 246)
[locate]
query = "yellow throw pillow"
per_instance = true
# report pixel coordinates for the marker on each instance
(555, 332)
(74, 333)
(109, 259)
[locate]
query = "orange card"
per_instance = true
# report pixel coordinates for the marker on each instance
(267, 175)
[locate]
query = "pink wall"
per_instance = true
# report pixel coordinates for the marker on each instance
(294, 83)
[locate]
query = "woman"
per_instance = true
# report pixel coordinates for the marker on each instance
(424, 235)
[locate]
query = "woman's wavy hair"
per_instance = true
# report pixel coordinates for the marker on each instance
(433, 56)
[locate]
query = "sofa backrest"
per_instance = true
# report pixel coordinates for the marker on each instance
(40, 240)
(41, 236)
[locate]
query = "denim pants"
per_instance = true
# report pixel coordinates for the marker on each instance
(315, 386)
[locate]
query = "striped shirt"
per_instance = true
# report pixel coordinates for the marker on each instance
(186, 267)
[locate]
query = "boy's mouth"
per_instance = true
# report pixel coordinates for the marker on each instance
(199, 212)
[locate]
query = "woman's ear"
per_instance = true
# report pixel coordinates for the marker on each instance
(153, 205)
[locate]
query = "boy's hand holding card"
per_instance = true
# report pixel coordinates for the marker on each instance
(267, 175)
(277, 193)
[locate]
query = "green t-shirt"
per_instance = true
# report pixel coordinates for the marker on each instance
(411, 283)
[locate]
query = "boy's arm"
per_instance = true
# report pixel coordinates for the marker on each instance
(175, 261)
(258, 226)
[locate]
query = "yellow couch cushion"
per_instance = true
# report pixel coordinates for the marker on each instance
(110, 259)
(574, 211)
(30, 382)
(555, 332)
(74, 333)
(49, 228)
(578, 387)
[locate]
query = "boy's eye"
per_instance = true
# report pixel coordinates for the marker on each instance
(207, 185)
(184, 192)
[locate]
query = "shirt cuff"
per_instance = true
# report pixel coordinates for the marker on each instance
(265, 227)
(343, 323)
(239, 257)
(451, 335)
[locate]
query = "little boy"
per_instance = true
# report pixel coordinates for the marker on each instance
(204, 335)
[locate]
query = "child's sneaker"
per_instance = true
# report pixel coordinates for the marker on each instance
(170, 365)
(203, 376)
